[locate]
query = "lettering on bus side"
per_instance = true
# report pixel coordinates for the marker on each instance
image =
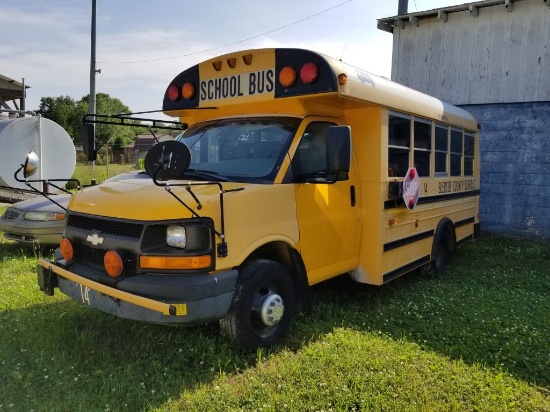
(456, 186)
(239, 85)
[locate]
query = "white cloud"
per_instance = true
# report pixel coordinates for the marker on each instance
(51, 45)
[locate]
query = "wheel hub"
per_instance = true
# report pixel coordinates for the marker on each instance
(272, 310)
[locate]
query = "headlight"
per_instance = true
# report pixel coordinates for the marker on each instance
(175, 236)
(43, 216)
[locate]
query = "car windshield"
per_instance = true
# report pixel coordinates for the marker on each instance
(239, 150)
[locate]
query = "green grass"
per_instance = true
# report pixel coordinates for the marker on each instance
(85, 173)
(476, 339)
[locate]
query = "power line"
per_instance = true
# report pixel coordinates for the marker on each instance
(232, 44)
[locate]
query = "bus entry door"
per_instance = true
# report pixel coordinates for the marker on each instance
(327, 215)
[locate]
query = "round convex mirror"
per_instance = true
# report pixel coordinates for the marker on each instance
(167, 160)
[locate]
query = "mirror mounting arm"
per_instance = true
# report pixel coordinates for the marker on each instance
(28, 182)
(222, 246)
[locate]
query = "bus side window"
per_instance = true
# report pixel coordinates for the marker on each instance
(311, 155)
(468, 154)
(456, 152)
(441, 149)
(399, 144)
(422, 146)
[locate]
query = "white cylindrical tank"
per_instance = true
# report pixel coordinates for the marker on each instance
(47, 139)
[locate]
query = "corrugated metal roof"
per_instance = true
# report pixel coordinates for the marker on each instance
(388, 23)
(10, 89)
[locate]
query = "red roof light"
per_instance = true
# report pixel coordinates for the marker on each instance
(174, 93)
(309, 73)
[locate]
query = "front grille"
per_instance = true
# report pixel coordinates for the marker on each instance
(106, 226)
(94, 257)
(11, 214)
(85, 254)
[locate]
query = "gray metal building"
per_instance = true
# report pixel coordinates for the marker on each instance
(491, 57)
(12, 91)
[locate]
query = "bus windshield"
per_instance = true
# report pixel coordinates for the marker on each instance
(239, 150)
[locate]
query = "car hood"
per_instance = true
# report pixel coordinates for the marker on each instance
(41, 204)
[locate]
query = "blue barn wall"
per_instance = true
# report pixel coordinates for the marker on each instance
(515, 167)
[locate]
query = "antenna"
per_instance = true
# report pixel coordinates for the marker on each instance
(342, 55)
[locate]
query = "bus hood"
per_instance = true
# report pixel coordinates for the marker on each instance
(141, 199)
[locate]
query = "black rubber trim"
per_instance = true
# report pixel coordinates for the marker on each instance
(406, 268)
(407, 240)
(465, 240)
(392, 204)
(465, 222)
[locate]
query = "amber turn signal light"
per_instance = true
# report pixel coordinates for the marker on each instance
(66, 249)
(113, 263)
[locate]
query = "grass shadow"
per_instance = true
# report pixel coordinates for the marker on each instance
(490, 307)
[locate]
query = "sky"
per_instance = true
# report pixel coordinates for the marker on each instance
(142, 45)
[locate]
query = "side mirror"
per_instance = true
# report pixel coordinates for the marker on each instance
(31, 164)
(167, 160)
(339, 148)
(87, 135)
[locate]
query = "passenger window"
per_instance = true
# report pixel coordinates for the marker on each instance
(441, 149)
(399, 144)
(422, 146)
(468, 154)
(456, 152)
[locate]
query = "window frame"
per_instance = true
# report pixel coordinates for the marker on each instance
(446, 128)
(420, 120)
(398, 148)
(454, 153)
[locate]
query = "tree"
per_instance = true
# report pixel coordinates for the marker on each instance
(106, 104)
(69, 114)
(62, 110)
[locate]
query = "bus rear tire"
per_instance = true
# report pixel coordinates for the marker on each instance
(263, 306)
(442, 248)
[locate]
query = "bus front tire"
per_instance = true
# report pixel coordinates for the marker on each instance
(263, 306)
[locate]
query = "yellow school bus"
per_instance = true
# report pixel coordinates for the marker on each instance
(294, 168)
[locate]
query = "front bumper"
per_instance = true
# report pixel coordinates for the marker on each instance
(34, 238)
(29, 233)
(170, 299)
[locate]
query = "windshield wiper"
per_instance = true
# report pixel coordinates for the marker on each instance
(206, 174)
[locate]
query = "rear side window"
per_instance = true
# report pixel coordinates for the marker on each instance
(456, 152)
(468, 154)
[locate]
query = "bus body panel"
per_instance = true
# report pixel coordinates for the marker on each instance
(272, 205)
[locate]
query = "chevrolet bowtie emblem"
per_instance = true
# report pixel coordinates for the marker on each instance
(95, 239)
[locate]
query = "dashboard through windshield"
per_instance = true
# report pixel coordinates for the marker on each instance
(239, 150)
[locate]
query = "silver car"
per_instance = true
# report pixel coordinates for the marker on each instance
(39, 221)
(35, 221)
